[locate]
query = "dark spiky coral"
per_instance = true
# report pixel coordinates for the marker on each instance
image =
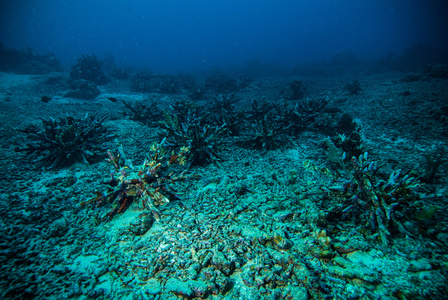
(224, 114)
(65, 141)
(146, 114)
(353, 88)
(88, 67)
(433, 162)
(225, 103)
(184, 108)
(304, 115)
(298, 90)
(264, 135)
(257, 112)
(204, 141)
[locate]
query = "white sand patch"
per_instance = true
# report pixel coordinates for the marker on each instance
(123, 220)
(84, 263)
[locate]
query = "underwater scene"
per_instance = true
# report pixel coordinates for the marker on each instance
(223, 150)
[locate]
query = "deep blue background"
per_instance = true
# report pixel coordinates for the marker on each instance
(171, 35)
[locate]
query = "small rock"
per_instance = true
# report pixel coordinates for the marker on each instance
(411, 77)
(207, 259)
(60, 270)
(75, 290)
(179, 288)
(139, 226)
(222, 263)
(58, 228)
(295, 293)
(438, 71)
(207, 274)
(411, 227)
(280, 241)
(152, 287)
(443, 237)
(83, 89)
(283, 216)
(241, 188)
(200, 288)
(192, 271)
(422, 264)
(136, 222)
(223, 283)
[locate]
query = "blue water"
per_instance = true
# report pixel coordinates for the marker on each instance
(174, 35)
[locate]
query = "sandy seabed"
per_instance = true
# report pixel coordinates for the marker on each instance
(249, 229)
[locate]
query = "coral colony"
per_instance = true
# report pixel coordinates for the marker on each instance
(152, 184)
(67, 140)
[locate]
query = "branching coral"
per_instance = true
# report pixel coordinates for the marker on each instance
(88, 67)
(353, 88)
(302, 116)
(224, 114)
(264, 135)
(351, 144)
(66, 141)
(258, 112)
(298, 89)
(148, 115)
(152, 183)
(367, 197)
(204, 141)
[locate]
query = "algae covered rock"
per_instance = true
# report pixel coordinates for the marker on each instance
(152, 287)
(420, 265)
(83, 89)
(140, 225)
(58, 228)
(222, 263)
(179, 288)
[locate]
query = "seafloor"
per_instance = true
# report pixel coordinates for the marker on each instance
(249, 229)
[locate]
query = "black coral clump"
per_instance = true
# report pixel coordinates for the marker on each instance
(264, 135)
(88, 67)
(66, 141)
(143, 113)
(204, 142)
(353, 88)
